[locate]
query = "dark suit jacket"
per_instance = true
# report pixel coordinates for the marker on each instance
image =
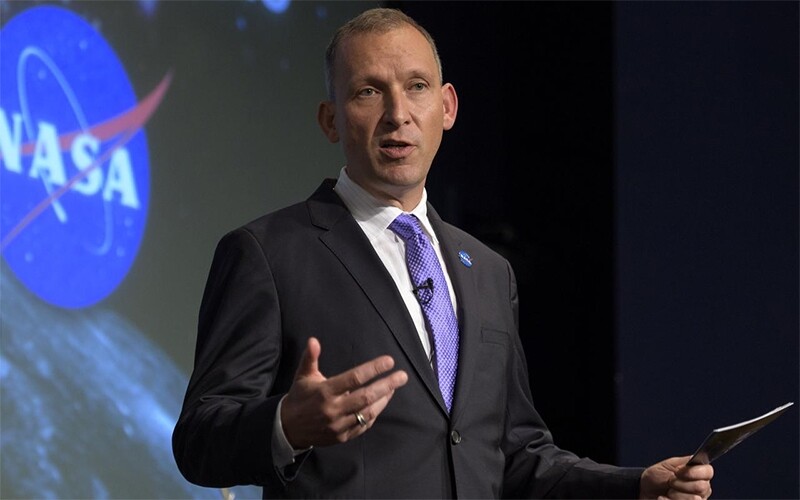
(308, 270)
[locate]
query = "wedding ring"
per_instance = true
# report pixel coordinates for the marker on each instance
(361, 420)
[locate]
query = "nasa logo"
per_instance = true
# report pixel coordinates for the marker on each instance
(74, 165)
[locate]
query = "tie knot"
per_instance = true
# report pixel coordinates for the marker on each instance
(406, 226)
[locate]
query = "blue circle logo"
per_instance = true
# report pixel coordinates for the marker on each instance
(74, 164)
(465, 258)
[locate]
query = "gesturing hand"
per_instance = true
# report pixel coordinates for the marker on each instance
(319, 411)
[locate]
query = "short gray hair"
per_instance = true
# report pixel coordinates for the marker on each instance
(378, 20)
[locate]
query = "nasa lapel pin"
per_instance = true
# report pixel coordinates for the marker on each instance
(465, 258)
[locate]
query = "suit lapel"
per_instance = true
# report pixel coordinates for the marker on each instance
(351, 247)
(468, 318)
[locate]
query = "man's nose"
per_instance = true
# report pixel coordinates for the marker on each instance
(396, 111)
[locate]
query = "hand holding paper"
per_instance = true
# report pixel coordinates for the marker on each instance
(721, 440)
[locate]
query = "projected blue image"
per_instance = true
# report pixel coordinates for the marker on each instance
(75, 179)
(88, 406)
(88, 401)
(133, 133)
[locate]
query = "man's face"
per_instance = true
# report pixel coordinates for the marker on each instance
(390, 112)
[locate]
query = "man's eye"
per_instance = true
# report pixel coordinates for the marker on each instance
(366, 92)
(418, 86)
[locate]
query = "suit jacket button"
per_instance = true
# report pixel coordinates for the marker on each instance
(455, 437)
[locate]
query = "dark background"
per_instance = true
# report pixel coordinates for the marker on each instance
(638, 164)
(528, 168)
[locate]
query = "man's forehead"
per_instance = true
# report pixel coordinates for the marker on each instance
(402, 43)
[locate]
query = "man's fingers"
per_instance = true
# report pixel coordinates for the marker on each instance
(319, 411)
(368, 395)
(309, 363)
(371, 412)
(695, 473)
(356, 377)
(369, 401)
(690, 489)
(692, 482)
(354, 426)
(675, 463)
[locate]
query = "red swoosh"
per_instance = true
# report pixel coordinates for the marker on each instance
(133, 118)
(129, 122)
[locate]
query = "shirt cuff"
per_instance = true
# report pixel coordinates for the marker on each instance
(283, 454)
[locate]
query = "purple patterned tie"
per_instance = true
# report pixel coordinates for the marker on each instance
(431, 291)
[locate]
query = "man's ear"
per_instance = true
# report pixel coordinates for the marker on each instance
(325, 117)
(450, 101)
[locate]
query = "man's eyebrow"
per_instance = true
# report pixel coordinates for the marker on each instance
(369, 78)
(422, 73)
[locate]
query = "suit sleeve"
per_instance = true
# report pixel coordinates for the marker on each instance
(223, 435)
(535, 466)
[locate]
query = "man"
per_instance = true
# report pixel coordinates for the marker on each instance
(318, 370)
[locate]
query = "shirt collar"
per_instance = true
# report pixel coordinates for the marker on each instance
(373, 215)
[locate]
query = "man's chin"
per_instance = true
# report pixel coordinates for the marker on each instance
(403, 175)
